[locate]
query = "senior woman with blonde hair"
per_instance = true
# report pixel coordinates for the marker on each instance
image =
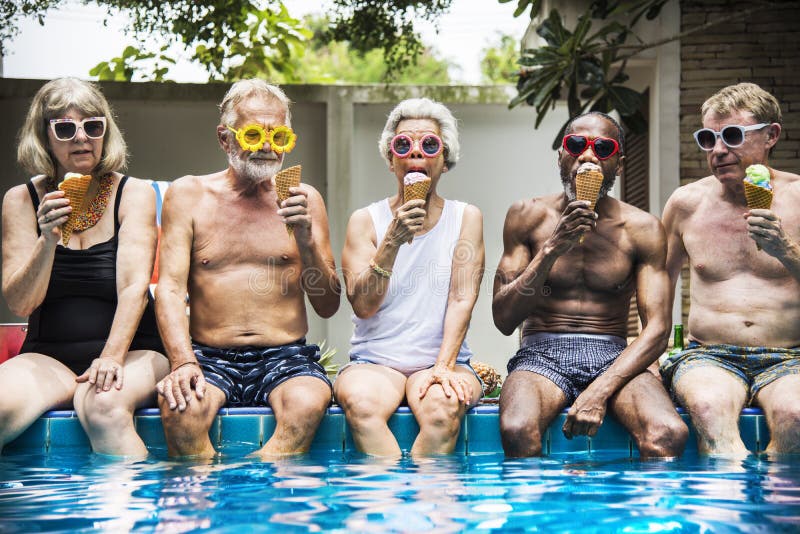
(412, 269)
(91, 318)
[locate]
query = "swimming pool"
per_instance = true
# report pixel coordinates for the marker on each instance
(575, 492)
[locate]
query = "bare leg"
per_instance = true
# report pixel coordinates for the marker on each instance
(187, 431)
(646, 411)
(780, 401)
(369, 394)
(31, 384)
(714, 398)
(299, 405)
(439, 417)
(528, 404)
(107, 417)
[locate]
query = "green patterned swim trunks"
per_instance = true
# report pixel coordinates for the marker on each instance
(754, 366)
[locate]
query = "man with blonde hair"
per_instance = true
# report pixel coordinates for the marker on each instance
(225, 243)
(744, 320)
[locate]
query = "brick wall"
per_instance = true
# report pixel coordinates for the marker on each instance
(761, 45)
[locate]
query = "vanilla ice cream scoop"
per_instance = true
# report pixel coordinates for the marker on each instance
(414, 177)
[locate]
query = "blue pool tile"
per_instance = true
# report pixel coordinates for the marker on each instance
(259, 410)
(691, 441)
(60, 414)
(241, 429)
(330, 434)
(748, 428)
(67, 432)
(215, 432)
(267, 427)
(611, 436)
(254, 426)
(402, 424)
(483, 433)
(151, 430)
(763, 432)
(558, 443)
(484, 409)
(34, 439)
(461, 442)
(405, 428)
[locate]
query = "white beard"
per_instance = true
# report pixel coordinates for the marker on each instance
(253, 169)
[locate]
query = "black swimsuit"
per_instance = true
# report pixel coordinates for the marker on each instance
(73, 321)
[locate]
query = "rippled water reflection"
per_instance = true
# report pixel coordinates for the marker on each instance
(574, 493)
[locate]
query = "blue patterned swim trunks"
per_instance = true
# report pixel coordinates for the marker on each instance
(754, 366)
(247, 375)
(570, 361)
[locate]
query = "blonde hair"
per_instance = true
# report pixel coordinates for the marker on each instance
(422, 108)
(53, 101)
(744, 97)
(244, 89)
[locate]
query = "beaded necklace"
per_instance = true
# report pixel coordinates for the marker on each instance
(97, 207)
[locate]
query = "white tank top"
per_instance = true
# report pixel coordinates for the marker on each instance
(406, 332)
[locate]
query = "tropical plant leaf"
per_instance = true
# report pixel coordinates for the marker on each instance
(625, 100)
(636, 122)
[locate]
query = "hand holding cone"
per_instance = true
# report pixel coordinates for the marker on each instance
(588, 182)
(74, 186)
(283, 181)
(758, 188)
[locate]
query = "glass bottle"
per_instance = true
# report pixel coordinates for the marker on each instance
(677, 339)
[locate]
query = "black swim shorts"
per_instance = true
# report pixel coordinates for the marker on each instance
(247, 375)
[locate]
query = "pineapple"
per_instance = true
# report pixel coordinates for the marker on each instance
(491, 378)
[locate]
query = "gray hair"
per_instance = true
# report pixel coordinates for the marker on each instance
(744, 97)
(244, 89)
(53, 101)
(422, 108)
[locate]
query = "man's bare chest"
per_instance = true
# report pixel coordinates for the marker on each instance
(590, 270)
(225, 238)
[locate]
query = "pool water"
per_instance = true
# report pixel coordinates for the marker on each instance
(567, 492)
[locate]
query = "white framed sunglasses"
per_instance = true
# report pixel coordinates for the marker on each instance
(67, 129)
(732, 135)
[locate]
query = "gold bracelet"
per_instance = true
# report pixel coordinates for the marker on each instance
(378, 269)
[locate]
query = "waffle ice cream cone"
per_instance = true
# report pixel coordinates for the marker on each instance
(757, 197)
(74, 186)
(283, 181)
(757, 188)
(415, 186)
(588, 182)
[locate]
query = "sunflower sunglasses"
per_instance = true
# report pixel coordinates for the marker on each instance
(253, 137)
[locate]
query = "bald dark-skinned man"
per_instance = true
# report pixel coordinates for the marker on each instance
(567, 276)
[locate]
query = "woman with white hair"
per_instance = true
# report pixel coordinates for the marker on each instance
(413, 269)
(87, 293)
